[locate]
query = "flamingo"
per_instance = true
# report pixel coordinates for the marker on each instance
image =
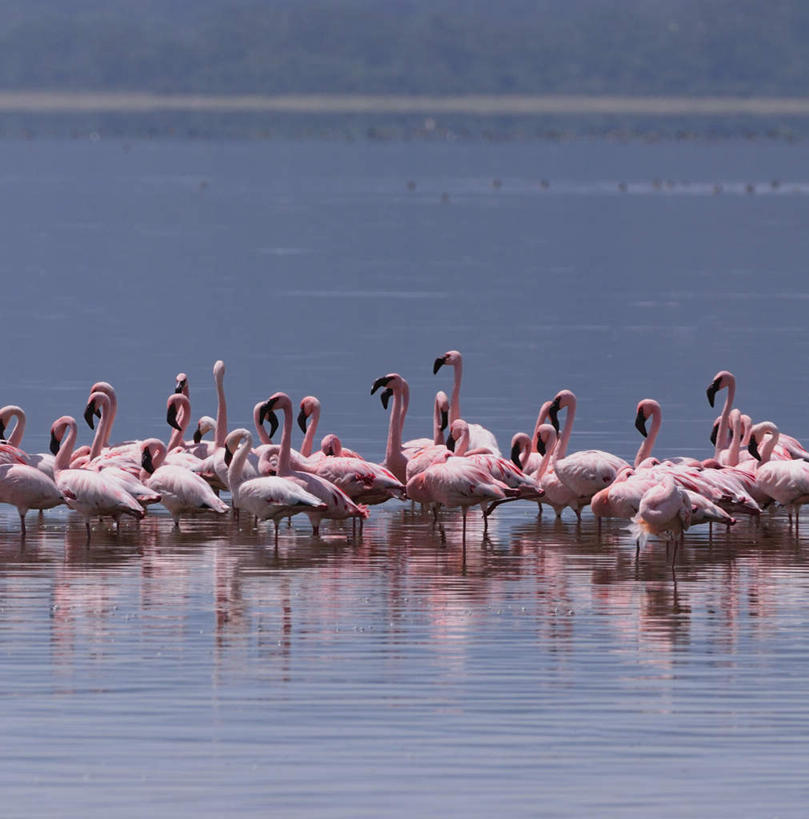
(395, 460)
(440, 423)
(267, 497)
(310, 409)
(338, 506)
(664, 508)
(182, 491)
(43, 461)
(786, 482)
(556, 494)
(456, 482)
(89, 493)
(523, 447)
(587, 471)
(26, 487)
(480, 437)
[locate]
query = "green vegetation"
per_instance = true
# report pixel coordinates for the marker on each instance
(677, 47)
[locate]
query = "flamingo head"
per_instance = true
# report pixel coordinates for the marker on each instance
(721, 380)
(451, 357)
(266, 413)
(146, 460)
(181, 385)
(219, 370)
(715, 431)
(331, 445)
(278, 400)
(233, 441)
(384, 381)
(96, 403)
(442, 405)
(308, 406)
(563, 400)
(204, 425)
(646, 407)
(546, 438)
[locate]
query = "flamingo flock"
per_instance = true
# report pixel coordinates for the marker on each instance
(752, 467)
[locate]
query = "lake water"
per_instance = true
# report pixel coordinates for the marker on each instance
(543, 670)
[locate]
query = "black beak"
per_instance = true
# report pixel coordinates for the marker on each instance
(553, 412)
(444, 420)
(330, 451)
(752, 448)
(450, 443)
(438, 364)
(541, 446)
(88, 415)
(714, 433)
(171, 417)
(273, 419)
(54, 445)
(228, 456)
(302, 418)
(146, 461)
(640, 423)
(712, 390)
(380, 382)
(385, 397)
(2, 430)
(197, 435)
(515, 455)
(178, 388)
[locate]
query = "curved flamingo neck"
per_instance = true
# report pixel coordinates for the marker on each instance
(236, 468)
(102, 433)
(401, 399)
(309, 438)
(522, 442)
(284, 467)
(462, 441)
(17, 413)
(542, 418)
(550, 441)
(561, 447)
(723, 433)
(183, 419)
(455, 402)
(262, 433)
(157, 452)
(647, 445)
(109, 391)
(62, 459)
(221, 405)
(767, 428)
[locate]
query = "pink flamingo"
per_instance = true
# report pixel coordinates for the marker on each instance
(523, 447)
(395, 460)
(87, 492)
(181, 385)
(11, 452)
(182, 491)
(587, 471)
(338, 506)
(556, 494)
(267, 497)
(457, 482)
(440, 423)
(480, 436)
(26, 487)
(786, 482)
(310, 409)
(664, 508)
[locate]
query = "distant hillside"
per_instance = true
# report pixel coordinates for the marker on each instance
(705, 47)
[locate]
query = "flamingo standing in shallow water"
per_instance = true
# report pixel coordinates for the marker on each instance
(480, 437)
(268, 497)
(395, 460)
(587, 471)
(337, 505)
(87, 492)
(182, 491)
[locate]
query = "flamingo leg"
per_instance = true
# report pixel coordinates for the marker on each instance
(464, 524)
(22, 524)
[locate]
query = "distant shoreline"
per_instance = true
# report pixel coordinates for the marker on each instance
(50, 102)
